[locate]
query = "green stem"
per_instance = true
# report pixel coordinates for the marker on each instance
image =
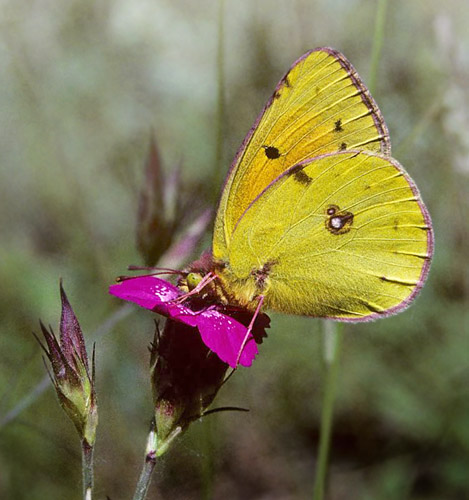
(148, 466)
(333, 334)
(220, 123)
(378, 40)
(87, 451)
(208, 463)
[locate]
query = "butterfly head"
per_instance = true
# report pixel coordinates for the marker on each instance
(200, 281)
(192, 279)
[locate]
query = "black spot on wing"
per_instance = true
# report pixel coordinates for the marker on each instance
(343, 146)
(338, 126)
(299, 174)
(271, 152)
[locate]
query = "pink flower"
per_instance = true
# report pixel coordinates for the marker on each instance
(222, 330)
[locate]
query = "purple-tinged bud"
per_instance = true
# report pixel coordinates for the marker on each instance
(153, 229)
(74, 384)
(171, 219)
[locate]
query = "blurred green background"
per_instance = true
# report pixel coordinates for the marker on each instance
(82, 85)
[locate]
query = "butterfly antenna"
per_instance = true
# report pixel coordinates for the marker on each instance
(157, 271)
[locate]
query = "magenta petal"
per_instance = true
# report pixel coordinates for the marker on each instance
(155, 294)
(225, 336)
(222, 334)
(146, 291)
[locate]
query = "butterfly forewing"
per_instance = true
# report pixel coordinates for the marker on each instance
(320, 106)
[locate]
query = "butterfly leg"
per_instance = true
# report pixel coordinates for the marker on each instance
(260, 299)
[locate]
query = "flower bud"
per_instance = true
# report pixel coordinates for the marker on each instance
(153, 228)
(70, 375)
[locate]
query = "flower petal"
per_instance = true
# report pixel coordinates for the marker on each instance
(225, 336)
(220, 332)
(152, 293)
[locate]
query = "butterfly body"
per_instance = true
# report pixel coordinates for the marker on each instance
(226, 289)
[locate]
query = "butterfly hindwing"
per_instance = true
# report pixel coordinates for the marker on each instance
(343, 235)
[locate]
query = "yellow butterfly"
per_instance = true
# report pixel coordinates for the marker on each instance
(316, 218)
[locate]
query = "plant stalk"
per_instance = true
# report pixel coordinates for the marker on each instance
(148, 466)
(87, 452)
(378, 40)
(220, 117)
(333, 334)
